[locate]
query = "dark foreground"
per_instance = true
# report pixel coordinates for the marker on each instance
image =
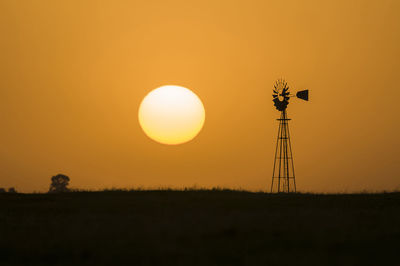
(199, 228)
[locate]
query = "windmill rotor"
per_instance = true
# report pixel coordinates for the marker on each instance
(280, 95)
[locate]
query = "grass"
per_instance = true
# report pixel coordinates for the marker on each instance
(199, 227)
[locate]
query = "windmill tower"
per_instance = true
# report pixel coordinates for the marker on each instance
(283, 176)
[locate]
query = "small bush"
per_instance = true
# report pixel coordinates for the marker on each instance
(12, 190)
(59, 183)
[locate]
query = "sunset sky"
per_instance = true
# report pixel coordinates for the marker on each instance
(73, 74)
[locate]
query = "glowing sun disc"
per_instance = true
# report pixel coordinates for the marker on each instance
(171, 115)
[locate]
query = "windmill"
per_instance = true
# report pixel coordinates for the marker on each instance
(283, 177)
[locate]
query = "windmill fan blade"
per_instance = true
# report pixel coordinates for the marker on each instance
(302, 95)
(275, 91)
(274, 96)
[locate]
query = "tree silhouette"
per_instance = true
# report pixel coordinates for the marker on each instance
(12, 190)
(59, 183)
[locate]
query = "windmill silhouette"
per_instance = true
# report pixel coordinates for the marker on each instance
(283, 176)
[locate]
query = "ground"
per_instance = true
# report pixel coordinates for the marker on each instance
(205, 227)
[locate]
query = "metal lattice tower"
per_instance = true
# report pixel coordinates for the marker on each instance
(283, 175)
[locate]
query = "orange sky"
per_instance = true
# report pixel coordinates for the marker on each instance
(73, 73)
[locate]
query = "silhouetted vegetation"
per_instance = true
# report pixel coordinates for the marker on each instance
(59, 183)
(207, 227)
(10, 190)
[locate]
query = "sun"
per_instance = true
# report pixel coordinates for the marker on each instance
(171, 115)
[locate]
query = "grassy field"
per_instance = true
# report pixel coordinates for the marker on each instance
(199, 228)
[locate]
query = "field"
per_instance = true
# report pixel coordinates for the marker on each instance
(204, 227)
